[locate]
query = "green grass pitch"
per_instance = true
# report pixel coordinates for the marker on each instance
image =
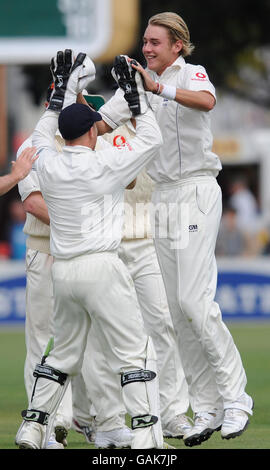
(252, 340)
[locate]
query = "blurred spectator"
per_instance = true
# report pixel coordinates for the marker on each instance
(245, 205)
(233, 240)
(4, 250)
(17, 237)
(264, 238)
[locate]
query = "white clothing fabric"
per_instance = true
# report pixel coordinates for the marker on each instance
(38, 329)
(110, 412)
(140, 259)
(39, 294)
(187, 147)
(138, 200)
(89, 280)
(96, 391)
(98, 285)
(38, 233)
(38, 325)
(137, 252)
(39, 307)
(211, 362)
(92, 186)
(188, 206)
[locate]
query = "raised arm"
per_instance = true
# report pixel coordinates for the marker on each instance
(43, 135)
(70, 78)
(202, 100)
(128, 161)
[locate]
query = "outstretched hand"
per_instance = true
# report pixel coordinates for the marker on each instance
(22, 166)
(70, 77)
(61, 66)
(148, 82)
(131, 83)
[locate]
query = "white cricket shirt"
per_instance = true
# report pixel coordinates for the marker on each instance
(187, 136)
(84, 189)
(186, 132)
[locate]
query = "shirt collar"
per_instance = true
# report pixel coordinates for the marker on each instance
(179, 63)
(76, 149)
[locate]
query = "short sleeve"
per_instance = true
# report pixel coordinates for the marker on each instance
(30, 184)
(196, 79)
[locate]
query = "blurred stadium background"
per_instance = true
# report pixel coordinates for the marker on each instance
(232, 40)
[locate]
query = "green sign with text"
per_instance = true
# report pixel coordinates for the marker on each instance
(31, 31)
(20, 19)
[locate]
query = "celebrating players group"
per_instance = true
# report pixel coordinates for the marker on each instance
(123, 211)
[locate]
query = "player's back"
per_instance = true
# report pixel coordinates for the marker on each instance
(85, 201)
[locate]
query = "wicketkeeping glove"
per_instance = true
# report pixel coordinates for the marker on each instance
(83, 71)
(69, 77)
(87, 73)
(131, 83)
(61, 66)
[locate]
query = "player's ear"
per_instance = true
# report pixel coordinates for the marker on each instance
(178, 45)
(92, 131)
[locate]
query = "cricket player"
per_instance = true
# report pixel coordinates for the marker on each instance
(187, 199)
(39, 290)
(19, 170)
(82, 189)
(39, 326)
(138, 254)
(39, 321)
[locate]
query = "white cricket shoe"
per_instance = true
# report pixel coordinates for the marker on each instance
(236, 420)
(89, 431)
(180, 425)
(31, 435)
(120, 437)
(235, 423)
(204, 425)
(53, 444)
(61, 433)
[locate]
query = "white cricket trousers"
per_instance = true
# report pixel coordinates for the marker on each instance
(141, 260)
(191, 209)
(98, 382)
(96, 390)
(38, 324)
(99, 286)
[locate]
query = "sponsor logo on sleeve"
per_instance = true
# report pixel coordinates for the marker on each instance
(201, 77)
(119, 141)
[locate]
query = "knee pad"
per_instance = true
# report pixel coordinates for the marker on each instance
(140, 375)
(37, 416)
(50, 394)
(42, 370)
(150, 378)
